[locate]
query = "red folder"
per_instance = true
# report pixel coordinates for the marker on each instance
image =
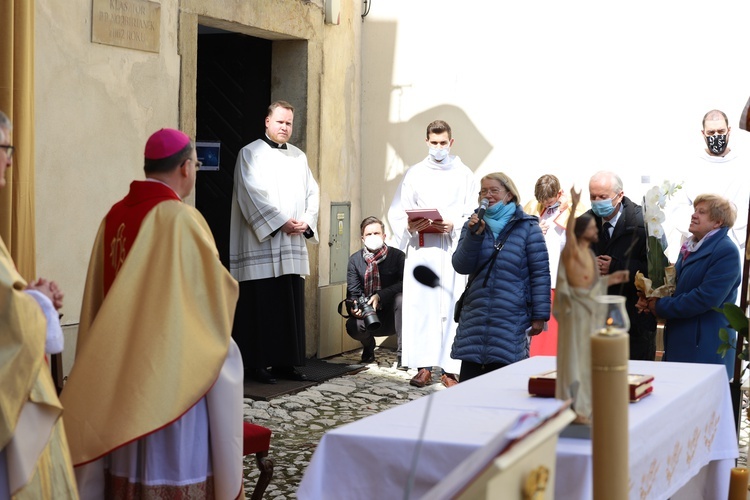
(425, 213)
(543, 385)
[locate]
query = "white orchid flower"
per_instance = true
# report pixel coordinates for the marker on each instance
(653, 202)
(670, 188)
(656, 231)
(654, 198)
(654, 216)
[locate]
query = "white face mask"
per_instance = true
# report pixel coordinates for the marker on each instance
(373, 242)
(439, 154)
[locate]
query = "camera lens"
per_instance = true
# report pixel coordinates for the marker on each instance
(369, 316)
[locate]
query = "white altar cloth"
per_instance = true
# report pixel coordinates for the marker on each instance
(682, 438)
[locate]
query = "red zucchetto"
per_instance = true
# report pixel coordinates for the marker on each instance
(164, 143)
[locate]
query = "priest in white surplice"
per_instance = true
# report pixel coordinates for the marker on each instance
(274, 214)
(441, 182)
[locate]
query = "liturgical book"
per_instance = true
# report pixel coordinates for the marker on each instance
(543, 385)
(425, 213)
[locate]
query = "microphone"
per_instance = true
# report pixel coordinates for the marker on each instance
(480, 213)
(426, 276)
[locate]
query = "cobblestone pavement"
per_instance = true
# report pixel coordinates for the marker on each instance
(298, 421)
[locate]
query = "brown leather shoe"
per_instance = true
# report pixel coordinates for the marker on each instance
(449, 379)
(422, 378)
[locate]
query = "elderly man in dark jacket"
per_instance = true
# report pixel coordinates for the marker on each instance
(375, 273)
(508, 299)
(622, 246)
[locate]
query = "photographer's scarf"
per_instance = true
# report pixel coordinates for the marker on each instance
(372, 275)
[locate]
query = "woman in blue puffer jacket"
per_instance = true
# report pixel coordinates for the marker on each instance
(509, 296)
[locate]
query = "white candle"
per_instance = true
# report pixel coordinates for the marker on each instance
(609, 428)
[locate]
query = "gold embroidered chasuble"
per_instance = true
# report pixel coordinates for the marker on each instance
(155, 344)
(31, 426)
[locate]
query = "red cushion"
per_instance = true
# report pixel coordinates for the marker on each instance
(255, 438)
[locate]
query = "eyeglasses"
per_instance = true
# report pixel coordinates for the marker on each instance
(493, 191)
(8, 150)
(198, 164)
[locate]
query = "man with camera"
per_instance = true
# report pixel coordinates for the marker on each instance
(373, 293)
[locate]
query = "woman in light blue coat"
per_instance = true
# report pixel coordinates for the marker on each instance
(708, 274)
(509, 297)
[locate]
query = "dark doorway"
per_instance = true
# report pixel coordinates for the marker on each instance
(232, 94)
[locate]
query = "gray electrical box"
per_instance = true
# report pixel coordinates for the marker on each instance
(338, 241)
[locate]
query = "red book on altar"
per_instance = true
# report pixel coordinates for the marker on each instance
(425, 213)
(543, 385)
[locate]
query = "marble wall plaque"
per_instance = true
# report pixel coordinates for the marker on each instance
(133, 24)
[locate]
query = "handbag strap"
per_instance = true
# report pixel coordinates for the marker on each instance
(498, 246)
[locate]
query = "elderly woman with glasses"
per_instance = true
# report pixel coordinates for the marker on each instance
(709, 271)
(508, 298)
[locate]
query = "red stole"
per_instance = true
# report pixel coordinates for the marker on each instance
(124, 221)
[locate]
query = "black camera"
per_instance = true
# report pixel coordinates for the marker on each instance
(369, 316)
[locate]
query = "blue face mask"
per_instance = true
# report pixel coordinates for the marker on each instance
(602, 208)
(439, 154)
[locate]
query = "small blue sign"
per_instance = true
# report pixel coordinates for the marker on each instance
(208, 154)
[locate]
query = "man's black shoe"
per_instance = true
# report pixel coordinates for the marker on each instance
(289, 373)
(368, 354)
(399, 366)
(263, 376)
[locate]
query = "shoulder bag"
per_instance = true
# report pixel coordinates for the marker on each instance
(498, 246)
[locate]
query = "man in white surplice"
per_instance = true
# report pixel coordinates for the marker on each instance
(441, 182)
(275, 203)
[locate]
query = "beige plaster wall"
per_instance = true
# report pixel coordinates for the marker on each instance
(340, 122)
(566, 88)
(96, 106)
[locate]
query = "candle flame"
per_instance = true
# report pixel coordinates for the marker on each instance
(610, 321)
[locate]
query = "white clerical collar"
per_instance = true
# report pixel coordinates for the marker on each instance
(274, 144)
(151, 179)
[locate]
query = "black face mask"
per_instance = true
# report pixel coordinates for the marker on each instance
(716, 144)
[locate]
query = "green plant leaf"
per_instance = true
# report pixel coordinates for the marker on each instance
(735, 316)
(724, 335)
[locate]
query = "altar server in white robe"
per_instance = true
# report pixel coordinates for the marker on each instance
(440, 181)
